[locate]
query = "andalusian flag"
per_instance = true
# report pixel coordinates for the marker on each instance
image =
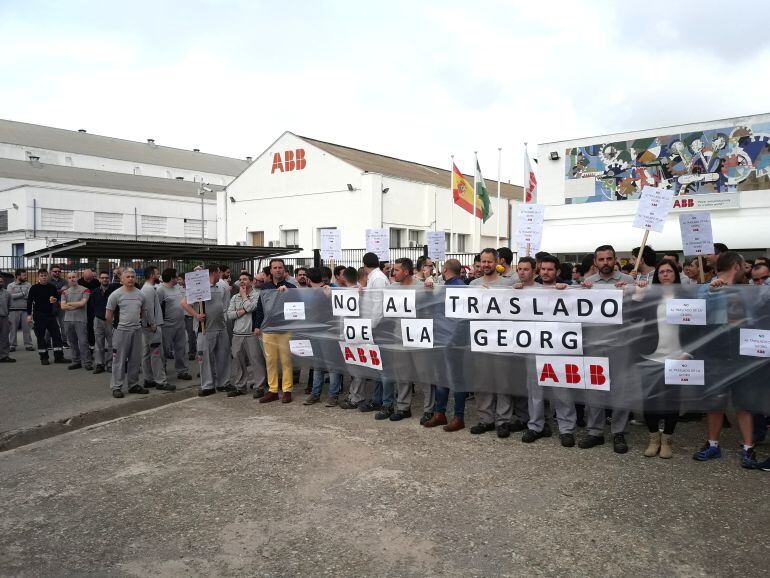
(483, 206)
(462, 191)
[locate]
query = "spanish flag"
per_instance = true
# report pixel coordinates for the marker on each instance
(462, 191)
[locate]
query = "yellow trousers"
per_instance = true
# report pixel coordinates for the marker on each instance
(276, 346)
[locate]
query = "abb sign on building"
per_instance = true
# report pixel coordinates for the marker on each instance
(291, 161)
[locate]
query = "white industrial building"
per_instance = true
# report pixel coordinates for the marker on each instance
(57, 185)
(300, 186)
(590, 186)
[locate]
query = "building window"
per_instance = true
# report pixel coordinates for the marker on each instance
(463, 243)
(192, 228)
(4, 220)
(415, 238)
(152, 225)
(108, 223)
(290, 237)
(448, 241)
(257, 238)
(396, 237)
(57, 219)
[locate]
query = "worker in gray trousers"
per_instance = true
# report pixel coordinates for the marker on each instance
(213, 345)
(5, 325)
(170, 296)
(246, 348)
(152, 339)
(19, 290)
(74, 300)
(131, 305)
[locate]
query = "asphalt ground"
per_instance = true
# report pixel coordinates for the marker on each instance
(228, 487)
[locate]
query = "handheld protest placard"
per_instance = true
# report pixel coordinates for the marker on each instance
(639, 255)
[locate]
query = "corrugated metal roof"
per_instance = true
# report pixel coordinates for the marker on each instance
(57, 139)
(393, 167)
(43, 173)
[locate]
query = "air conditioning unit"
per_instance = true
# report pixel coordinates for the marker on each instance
(273, 244)
(240, 243)
(412, 243)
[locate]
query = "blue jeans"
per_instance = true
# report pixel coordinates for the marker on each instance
(384, 393)
(442, 399)
(335, 383)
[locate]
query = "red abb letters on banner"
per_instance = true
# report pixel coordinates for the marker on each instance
(574, 372)
(362, 354)
(291, 161)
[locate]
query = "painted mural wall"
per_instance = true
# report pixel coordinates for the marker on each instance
(726, 160)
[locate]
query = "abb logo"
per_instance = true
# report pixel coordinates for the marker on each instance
(364, 355)
(575, 372)
(684, 203)
(291, 161)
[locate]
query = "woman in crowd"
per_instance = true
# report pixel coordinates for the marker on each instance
(659, 341)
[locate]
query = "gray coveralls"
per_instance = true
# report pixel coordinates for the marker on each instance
(245, 345)
(213, 345)
(152, 341)
(18, 313)
(127, 336)
(76, 324)
(5, 325)
(173, 329)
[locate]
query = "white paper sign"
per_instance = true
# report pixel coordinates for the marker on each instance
(697, 238)
(755, 342)
(526, 337)
(417, 333)
(294, 310)
(197, 286)
(654, 205)
(301, 347)
(378, 242)
(331, 245)
(399, 303)
(686, 311)
(530, 225)
(358, 331)
(685, 372)
(573, 372)
(346, 303)
(436, 245)
(362, 354)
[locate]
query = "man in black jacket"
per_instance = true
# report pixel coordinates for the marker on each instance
(42, 311)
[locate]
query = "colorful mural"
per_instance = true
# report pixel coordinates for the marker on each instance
(710, 161)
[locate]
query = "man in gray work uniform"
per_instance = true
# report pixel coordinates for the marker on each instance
(608, 277)
(495, 410)
(213, 344)
(5, 325)
(245, 345)
(170, 296)
(19, 290)
(74, 301)
(130, 305)
(152, 352)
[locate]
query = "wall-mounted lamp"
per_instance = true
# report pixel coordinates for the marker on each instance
(350, 188)
(385, 190)
(554, 155)
(232, 199)
(15, 206)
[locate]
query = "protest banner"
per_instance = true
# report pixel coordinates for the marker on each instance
(197, 290)
(529, 228)
(436, 245)
(331, 245)
(697, 238)
(654, 206)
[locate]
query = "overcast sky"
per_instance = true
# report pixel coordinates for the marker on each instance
(416, 80)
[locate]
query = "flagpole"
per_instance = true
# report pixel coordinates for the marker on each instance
(475, 200)
(452, 205)
(526, 172)
(499, 212)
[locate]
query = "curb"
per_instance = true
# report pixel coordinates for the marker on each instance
(16, 438)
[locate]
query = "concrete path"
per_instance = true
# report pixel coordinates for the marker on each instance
(228, 487)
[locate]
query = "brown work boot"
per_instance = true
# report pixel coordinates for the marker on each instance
(436, 420)
(654, 446)
(455, 425)
(666, 447)
(268, 397)
(286, 397)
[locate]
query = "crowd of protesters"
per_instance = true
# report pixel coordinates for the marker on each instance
(143, 335)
